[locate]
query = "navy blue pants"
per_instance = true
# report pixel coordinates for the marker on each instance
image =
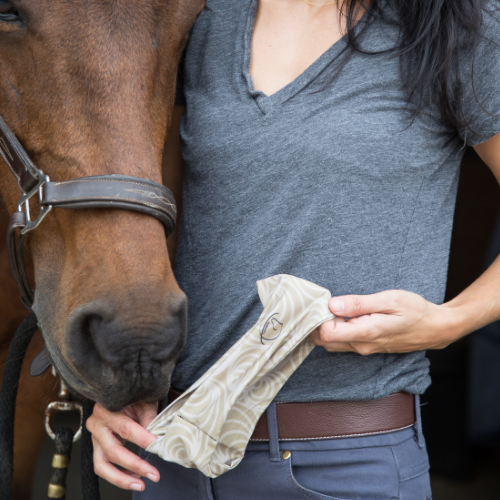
(380, 467)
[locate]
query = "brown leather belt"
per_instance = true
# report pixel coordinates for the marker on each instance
(336, 419)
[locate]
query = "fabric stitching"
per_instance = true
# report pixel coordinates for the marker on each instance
(110, 181)
(197, 427)
(340, 437)
(305, 492)
(135, 201)
(397, 469)
(16, 153)
(410, 224)
(294, 483)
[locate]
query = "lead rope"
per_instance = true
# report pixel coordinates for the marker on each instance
(90, 482)
(8, 396)
(63, 438)
(60, 463)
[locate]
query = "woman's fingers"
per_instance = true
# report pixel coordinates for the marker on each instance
(145, 413)
(350, 306)
(117, 454)
(109, 432)
(390, 321)
(122, 425)
(360, 329)
(103, 468)
(364, 335)
(373, 328)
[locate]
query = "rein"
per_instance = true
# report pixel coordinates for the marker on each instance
(103, 191)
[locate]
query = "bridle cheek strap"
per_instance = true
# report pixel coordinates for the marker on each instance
(17, 159)
(15, 252)
(103, 191)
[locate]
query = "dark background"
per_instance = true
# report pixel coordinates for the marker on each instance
(461, 467)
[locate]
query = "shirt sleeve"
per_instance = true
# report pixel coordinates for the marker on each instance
(481, 81)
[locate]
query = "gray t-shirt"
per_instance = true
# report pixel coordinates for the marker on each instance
(322, 180)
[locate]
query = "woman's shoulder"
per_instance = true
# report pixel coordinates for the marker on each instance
(485, 54)
(220, 15)
(490, 29)
(214, 38)
(480, 76)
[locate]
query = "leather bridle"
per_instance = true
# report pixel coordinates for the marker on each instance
(102, 191)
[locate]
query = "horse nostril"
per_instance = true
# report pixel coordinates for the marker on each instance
(119, 355)
(89, 326)
(83, 331)
(96, 335)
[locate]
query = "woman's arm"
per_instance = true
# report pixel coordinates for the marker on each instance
(110, 431)
(399, 321)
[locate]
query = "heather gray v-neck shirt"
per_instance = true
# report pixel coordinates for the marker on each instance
(322, 180)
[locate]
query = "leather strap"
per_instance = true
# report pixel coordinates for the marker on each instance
(336, 419)
(15, 252)
(16, 158)
(104, 191)
(114, 191)
(41, 363)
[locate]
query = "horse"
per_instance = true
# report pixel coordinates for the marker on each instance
(88, 89)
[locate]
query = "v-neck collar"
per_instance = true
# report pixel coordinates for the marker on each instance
(267, 103)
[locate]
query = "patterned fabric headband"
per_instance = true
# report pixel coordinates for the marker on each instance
(208, 427)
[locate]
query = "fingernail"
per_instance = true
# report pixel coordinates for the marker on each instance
(337, 306)
(152, 477)
(136, 486)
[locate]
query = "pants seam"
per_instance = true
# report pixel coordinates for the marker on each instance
(397, 469)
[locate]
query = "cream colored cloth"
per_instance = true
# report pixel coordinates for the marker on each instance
(209, 426)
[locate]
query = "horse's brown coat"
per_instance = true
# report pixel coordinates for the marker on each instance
(87, 86)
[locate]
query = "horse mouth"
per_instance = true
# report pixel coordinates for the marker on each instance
(140, 381)
(103, 358)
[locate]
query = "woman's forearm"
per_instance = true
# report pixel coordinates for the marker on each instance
(478, 305)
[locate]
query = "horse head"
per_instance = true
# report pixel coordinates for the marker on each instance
(88, 87)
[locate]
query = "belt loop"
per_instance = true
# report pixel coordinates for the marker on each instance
(418, 423)
(272, 427)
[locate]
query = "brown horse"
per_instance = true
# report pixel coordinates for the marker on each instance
(87, 87)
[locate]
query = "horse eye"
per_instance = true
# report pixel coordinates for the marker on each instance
(7, 12)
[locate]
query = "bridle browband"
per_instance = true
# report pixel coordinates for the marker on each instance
(102, 191)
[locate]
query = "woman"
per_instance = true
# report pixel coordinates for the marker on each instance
(334, 158)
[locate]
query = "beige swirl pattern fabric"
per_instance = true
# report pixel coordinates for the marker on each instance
(208, 427)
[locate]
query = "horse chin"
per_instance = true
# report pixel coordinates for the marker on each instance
(115, 400)
(118, 391)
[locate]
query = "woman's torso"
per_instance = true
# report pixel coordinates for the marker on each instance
(324, 180)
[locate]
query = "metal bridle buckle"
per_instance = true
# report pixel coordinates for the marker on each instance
(63, 405)
(25, 199)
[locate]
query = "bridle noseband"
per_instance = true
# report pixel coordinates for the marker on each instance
(102, 191)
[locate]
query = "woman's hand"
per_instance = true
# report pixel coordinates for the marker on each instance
(110, 431)
(391, 321)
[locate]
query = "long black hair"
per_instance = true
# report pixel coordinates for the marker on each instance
(433, 34)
